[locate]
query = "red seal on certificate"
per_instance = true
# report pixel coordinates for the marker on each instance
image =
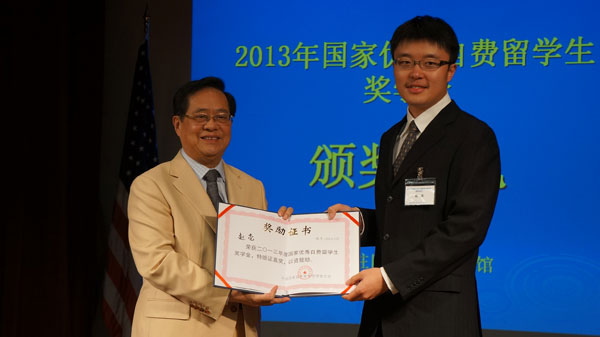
(305, 272)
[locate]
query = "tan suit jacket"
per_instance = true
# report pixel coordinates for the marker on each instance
(172, 237)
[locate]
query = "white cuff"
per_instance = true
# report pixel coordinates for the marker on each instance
(361, 223)
(388, 282)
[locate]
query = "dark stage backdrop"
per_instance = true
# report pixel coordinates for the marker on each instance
(50, 70)
(315, 91)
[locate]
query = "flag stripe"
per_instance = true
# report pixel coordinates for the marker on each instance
(116, 305)
(121, 282)
(123, 256)
(122, 197)
(121, 224)
(113, 326)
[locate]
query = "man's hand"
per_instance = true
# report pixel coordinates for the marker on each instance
(369, 284)
(256, 300)
(285, 212)
(339, 208)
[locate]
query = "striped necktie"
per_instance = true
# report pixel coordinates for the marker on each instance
(411, 136)
(211, 187)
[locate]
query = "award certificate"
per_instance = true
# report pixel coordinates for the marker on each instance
(306, 255)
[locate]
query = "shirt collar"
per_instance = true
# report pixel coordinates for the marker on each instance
(428, 115)
(200, 169)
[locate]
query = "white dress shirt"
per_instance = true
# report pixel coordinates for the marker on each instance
(201, 170)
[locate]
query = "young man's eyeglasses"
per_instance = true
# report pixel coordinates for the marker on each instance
(428, 64)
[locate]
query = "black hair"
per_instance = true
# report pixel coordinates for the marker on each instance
(427, 28)
(181, 97)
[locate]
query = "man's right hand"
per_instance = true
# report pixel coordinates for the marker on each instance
(256, 300)
(332, 210)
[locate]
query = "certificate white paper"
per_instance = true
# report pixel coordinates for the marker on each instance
(306, 255)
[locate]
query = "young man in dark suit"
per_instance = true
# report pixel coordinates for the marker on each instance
(435, 192)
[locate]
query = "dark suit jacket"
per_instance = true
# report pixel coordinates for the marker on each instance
(430, 252)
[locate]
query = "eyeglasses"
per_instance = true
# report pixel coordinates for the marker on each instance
(223, 119)
(428, 64)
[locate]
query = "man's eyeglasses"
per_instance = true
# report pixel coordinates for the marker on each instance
(428, 64)
(223, 119)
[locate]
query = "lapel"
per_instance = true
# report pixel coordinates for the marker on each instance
(234, 185)
(389, 141)
(434, 133)
(187, 183)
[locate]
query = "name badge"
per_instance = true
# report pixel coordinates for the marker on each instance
(419, 191)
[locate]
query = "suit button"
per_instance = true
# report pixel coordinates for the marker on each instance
(386, 236)
(390, 198)
(234, 308)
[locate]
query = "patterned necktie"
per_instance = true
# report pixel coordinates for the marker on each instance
(211, 187)
(411, 136)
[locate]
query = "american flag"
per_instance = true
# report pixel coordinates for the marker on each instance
(122, 282)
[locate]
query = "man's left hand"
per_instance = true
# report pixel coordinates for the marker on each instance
(369, 284)
(285, 212)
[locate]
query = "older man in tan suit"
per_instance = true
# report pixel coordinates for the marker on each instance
(172, 223)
